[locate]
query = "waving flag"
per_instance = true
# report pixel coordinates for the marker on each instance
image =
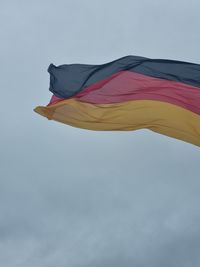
(129, 93)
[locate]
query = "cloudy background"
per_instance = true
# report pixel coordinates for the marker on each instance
(77, 198)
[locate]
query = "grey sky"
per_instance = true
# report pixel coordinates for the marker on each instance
(77, 198)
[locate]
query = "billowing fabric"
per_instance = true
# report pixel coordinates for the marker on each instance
(127, 94)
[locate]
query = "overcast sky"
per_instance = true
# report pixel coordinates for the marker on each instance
(77, 198)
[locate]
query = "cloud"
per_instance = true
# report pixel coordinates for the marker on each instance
(71, 197)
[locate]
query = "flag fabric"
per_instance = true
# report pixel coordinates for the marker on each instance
(129, 93)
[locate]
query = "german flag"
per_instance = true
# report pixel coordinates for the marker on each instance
(129, 93)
